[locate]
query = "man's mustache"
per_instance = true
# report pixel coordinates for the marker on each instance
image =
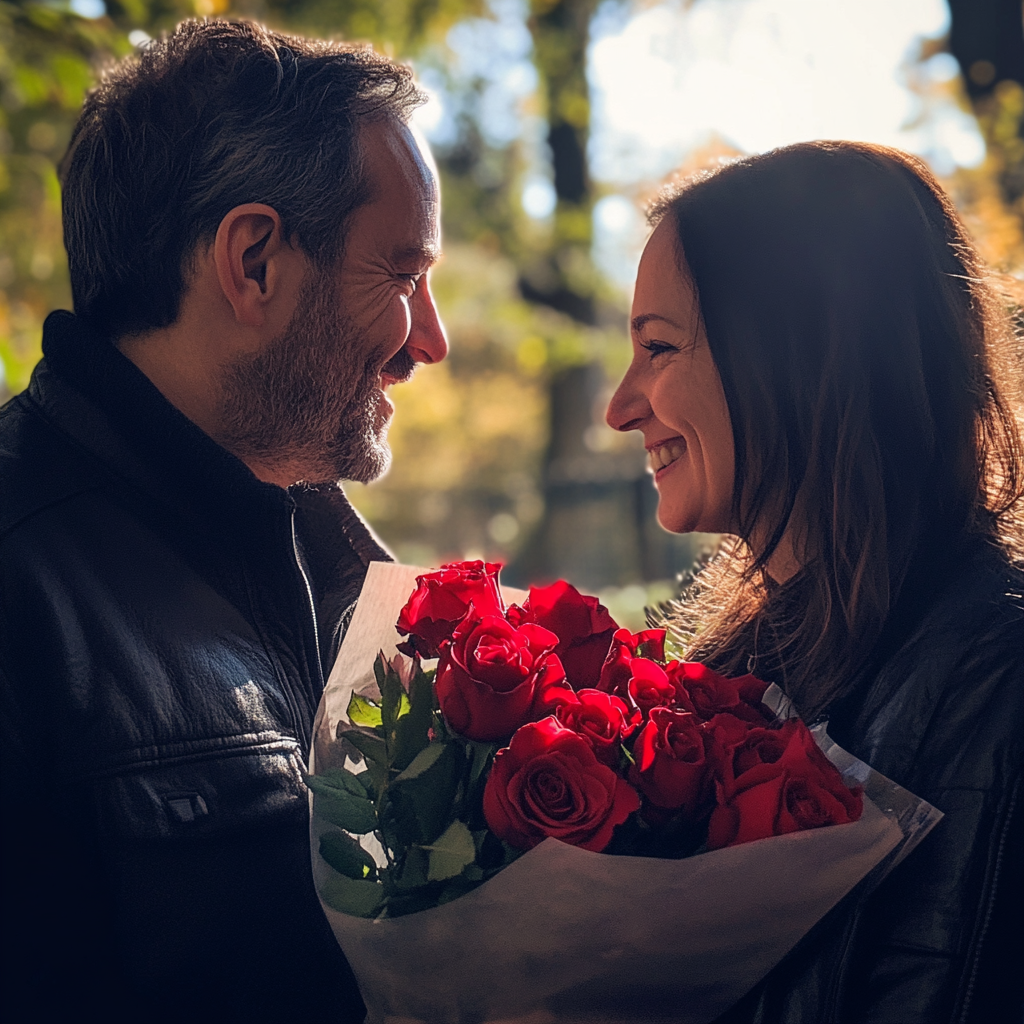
(400, 367)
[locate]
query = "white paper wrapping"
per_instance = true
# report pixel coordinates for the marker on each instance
(563, 934)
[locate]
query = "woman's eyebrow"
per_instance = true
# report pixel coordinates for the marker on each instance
(638, 322)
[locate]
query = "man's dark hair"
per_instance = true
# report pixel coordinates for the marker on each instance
(215, 115)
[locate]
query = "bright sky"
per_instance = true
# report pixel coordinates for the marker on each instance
(668, 78)
(758, 74)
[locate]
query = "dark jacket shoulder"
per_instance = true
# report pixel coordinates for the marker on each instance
(39, 465)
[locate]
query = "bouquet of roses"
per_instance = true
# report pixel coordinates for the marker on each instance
(453, 801)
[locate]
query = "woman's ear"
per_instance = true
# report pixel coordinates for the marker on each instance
(247, 252)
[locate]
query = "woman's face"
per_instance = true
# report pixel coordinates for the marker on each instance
(673, 394)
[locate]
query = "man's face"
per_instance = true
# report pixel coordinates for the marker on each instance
(313, 402)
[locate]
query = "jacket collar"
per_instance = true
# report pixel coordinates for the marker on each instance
(148, 438)
(111, 408)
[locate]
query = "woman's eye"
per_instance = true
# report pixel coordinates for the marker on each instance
(657, 348)
(412, 279)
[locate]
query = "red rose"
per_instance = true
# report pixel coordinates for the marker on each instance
(736, 746)
(778, 781)
(602, 719)
(440, 602)
(549, 782)
(713, 694)
(671, 769)
(751, 691)
(493, 677)
(583, 626)
(650, 687)
(625, 646)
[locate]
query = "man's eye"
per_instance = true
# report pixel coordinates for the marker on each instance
(413, 279)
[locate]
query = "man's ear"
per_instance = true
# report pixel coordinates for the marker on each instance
(247, 251)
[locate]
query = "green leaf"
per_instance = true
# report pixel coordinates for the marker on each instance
(393, 702)
(341, 798)
(412, 730)
(414, 870)
(346, 856)
(424, 761)
(363, 711)
(482, 754)
(337, 778)
(417, 806)
(371, 747)
(379, 670)
(377, 779)
(360, 898)
(453, 850)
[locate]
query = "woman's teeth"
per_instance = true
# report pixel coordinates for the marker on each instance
(666, 454)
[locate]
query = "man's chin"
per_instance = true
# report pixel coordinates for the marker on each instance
(369, 465)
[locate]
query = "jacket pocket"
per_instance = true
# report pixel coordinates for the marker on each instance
(202, 790)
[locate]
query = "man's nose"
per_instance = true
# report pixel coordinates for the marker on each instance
(427, 342)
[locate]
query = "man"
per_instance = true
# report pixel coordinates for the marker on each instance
(249, 223)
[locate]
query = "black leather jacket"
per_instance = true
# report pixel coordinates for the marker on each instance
(941, 711)
(165, 620)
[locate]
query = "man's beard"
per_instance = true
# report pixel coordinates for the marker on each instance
(311, 398)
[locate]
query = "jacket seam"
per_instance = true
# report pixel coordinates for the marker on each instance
(995, 869)
(141, 760)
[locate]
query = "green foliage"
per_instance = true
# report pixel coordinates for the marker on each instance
(420, 793)
(453, 851)
(362, 711)
(360, 898)
(346, 856)
(342, 799)
(417, 805)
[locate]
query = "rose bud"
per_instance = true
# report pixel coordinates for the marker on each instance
(625, 646)
(493, 677)
(780, 791)
(440, 603)
(549, 782)
(713, 694)
(583, 626)
(650, 687)
(602, 719)
(671, 769)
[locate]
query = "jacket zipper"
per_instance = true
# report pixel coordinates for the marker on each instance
(297, 555)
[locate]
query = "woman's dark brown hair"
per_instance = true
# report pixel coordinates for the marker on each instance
(856, 339)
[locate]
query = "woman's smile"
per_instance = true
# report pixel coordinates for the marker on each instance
(663, 454)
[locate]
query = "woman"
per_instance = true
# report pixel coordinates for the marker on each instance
(816, 372)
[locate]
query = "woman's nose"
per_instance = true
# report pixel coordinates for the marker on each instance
(629, 406)
(427, 341)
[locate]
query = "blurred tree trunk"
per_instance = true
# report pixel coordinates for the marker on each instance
(564, 277)
(597, 512)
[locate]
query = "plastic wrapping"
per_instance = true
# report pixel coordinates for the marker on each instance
(563, 934)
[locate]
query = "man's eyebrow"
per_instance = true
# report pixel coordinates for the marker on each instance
(639, 322)
(417, 255)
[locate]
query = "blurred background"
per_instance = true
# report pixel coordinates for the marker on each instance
(552, 122)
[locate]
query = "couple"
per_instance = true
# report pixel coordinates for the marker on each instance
(250, 226)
